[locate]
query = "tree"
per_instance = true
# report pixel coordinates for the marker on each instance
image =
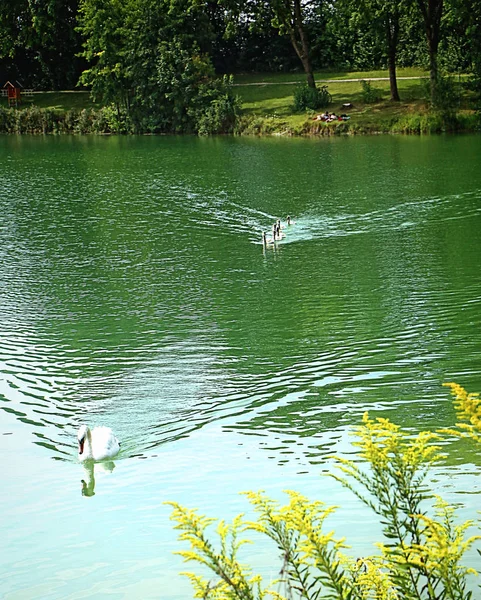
(382, 21)
(41, 40)
(289, 19)
(103, 24)
(14, 19)
(247, 42)
(287, 16)
(56, 41)
(465, 29)
(432, 11)
(149, 58)
(391, 25)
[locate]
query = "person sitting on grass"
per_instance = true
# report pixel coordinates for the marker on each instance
(323, 117)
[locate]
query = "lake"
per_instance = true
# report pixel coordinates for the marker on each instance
(136, 293)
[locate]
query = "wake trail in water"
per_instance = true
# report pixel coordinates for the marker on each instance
(406, 215)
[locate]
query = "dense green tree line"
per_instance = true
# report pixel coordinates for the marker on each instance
(156, 60)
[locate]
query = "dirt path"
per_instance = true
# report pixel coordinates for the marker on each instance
(329, 80)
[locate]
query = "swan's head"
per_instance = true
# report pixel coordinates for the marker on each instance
(288, 220)
(81, 437)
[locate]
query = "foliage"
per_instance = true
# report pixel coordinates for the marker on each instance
(219, 110)
(419, 558)
(445, 96)
(104, 30)
(110, 119)
(468, 409)
(35, 120)
(183, 95)
(41, 42)
(306, 97)
(369, 94)
(420, 124)
(148, 61)
(469, 25)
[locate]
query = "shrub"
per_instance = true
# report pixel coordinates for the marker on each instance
(7, 120)
(306, 97)
(71, 119)
(435, 122)
(182, 94)
(83, 124)
(419, 559)
(370, 95)
(217, 108)
(446, 95)
(110, 119)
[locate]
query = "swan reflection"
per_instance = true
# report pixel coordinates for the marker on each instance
(90, 468)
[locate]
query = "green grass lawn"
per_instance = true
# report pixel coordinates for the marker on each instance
(279, 98)
(321, 76)
(61, 101)
(275, 100)
(271, 97)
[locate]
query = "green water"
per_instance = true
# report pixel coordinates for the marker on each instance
(135, 293)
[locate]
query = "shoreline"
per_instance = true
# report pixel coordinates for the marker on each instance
(34, 120)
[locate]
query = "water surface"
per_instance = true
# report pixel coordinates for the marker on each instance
(135, 293)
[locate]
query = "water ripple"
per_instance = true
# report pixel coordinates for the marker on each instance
(136, 295)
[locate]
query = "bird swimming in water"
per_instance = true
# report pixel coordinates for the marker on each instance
(98, 444)
(278, 233)
(266, 240)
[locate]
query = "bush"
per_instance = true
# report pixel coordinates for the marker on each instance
(446, 96)
(436, 122)
(419, 559)
(217, 108)
(7, 120)
(306, 97)
(370, 95)
(182, 94)
(110, 119)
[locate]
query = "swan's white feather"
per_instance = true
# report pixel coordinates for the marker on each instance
(98, 444)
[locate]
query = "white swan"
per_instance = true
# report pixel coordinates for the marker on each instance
(98, 444)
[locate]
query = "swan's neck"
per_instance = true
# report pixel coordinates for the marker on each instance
(87, 446)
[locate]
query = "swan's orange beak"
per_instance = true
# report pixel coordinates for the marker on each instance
(81, 445)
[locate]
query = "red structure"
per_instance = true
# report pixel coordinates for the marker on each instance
(14, 94)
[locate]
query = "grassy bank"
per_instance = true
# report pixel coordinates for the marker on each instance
(267, 107)
(267, 102)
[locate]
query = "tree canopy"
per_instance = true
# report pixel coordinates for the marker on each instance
(157, 61)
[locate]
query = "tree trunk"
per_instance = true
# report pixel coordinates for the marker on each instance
(392, 30)
(300, 43)
(432, 11)
(433, 70)
(392, 77)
